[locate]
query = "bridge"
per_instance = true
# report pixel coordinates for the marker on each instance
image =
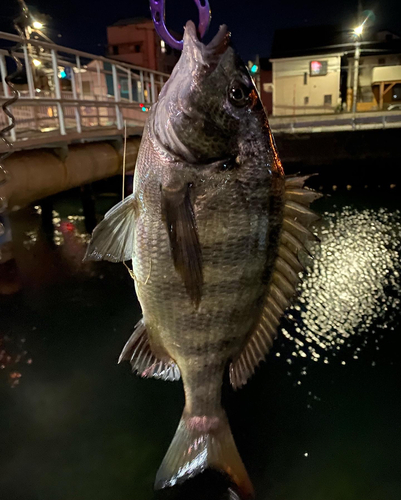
(73, 106)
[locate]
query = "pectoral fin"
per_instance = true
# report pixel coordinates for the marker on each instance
(179, 216)
(113, 238)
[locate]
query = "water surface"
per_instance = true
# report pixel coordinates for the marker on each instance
(319, 420)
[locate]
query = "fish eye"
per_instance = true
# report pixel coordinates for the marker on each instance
(238, 94)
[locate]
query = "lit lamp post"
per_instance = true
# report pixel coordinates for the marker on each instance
(358, 32)
(37, 25)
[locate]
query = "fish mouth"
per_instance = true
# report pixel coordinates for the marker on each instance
(206, 53)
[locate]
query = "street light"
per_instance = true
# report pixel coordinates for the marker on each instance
(358, 30)
(36, 63)
(37, 25)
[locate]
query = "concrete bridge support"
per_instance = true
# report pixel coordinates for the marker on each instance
(37, 174)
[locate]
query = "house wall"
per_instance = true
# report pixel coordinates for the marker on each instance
(266, 90)
(139, 44)
(297, 94)
(368, 88)
(133, 43)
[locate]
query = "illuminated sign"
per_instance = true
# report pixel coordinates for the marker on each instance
(318, 68)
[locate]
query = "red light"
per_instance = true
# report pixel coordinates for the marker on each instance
(316, 66)
(141, 105)
(69, 226)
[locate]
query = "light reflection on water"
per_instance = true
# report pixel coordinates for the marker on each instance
(73, 224)
(70, 236)
(73, 392)
(353, 289)
(12, 356)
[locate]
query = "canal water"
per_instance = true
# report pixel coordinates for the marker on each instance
(319, 420)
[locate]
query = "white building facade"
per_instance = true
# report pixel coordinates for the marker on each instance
(306, 84)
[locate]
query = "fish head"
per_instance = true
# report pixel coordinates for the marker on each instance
(209, 104)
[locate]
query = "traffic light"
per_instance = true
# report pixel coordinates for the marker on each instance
(253, 67)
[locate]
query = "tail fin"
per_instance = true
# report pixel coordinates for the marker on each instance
(200, 443)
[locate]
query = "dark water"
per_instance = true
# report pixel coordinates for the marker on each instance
(319, 420)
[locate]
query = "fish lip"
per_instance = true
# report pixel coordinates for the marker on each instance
(216, 46)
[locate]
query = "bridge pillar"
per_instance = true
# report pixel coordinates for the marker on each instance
(88, 205)
(46, 205)
(9, 280)
(38, 173)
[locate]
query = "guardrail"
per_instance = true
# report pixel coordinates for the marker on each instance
(67, 91)
(336, 122)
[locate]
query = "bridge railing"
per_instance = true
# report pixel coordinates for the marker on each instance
(64, 91)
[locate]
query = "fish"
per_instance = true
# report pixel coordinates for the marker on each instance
(214, 231)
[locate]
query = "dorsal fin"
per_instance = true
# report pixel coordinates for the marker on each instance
(284, 280)
(137, 350)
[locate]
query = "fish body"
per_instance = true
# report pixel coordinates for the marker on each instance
(206, 231)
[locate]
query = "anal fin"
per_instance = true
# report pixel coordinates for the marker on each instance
(138, 352)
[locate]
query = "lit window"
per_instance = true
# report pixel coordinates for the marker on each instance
(163, 46)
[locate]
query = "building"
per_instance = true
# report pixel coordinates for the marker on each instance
(307, 85)
(307, 79)
(379, 73)
(313, 71)
(135, 41)
(266, 84)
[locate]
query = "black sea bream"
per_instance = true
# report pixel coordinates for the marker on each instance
(213, 230)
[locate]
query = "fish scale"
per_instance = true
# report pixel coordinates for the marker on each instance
(204, 228)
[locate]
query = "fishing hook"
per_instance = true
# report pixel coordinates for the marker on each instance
(158, 14)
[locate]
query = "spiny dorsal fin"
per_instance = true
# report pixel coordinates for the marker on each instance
(285, 278)
(137, 350)
(113, 238)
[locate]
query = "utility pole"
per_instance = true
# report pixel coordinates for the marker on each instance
(356, 74)
(358, 34)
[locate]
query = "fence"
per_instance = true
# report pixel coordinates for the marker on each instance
(65, 91)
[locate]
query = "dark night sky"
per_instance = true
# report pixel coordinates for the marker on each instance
(82, 23)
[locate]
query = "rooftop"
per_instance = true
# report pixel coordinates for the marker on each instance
(329, 39)
(132, 20)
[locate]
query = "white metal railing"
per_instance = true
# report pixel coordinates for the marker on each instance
(64, 91)
(336, 122)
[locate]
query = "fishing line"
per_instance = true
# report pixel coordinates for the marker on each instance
(124, 158)
(131, 272)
